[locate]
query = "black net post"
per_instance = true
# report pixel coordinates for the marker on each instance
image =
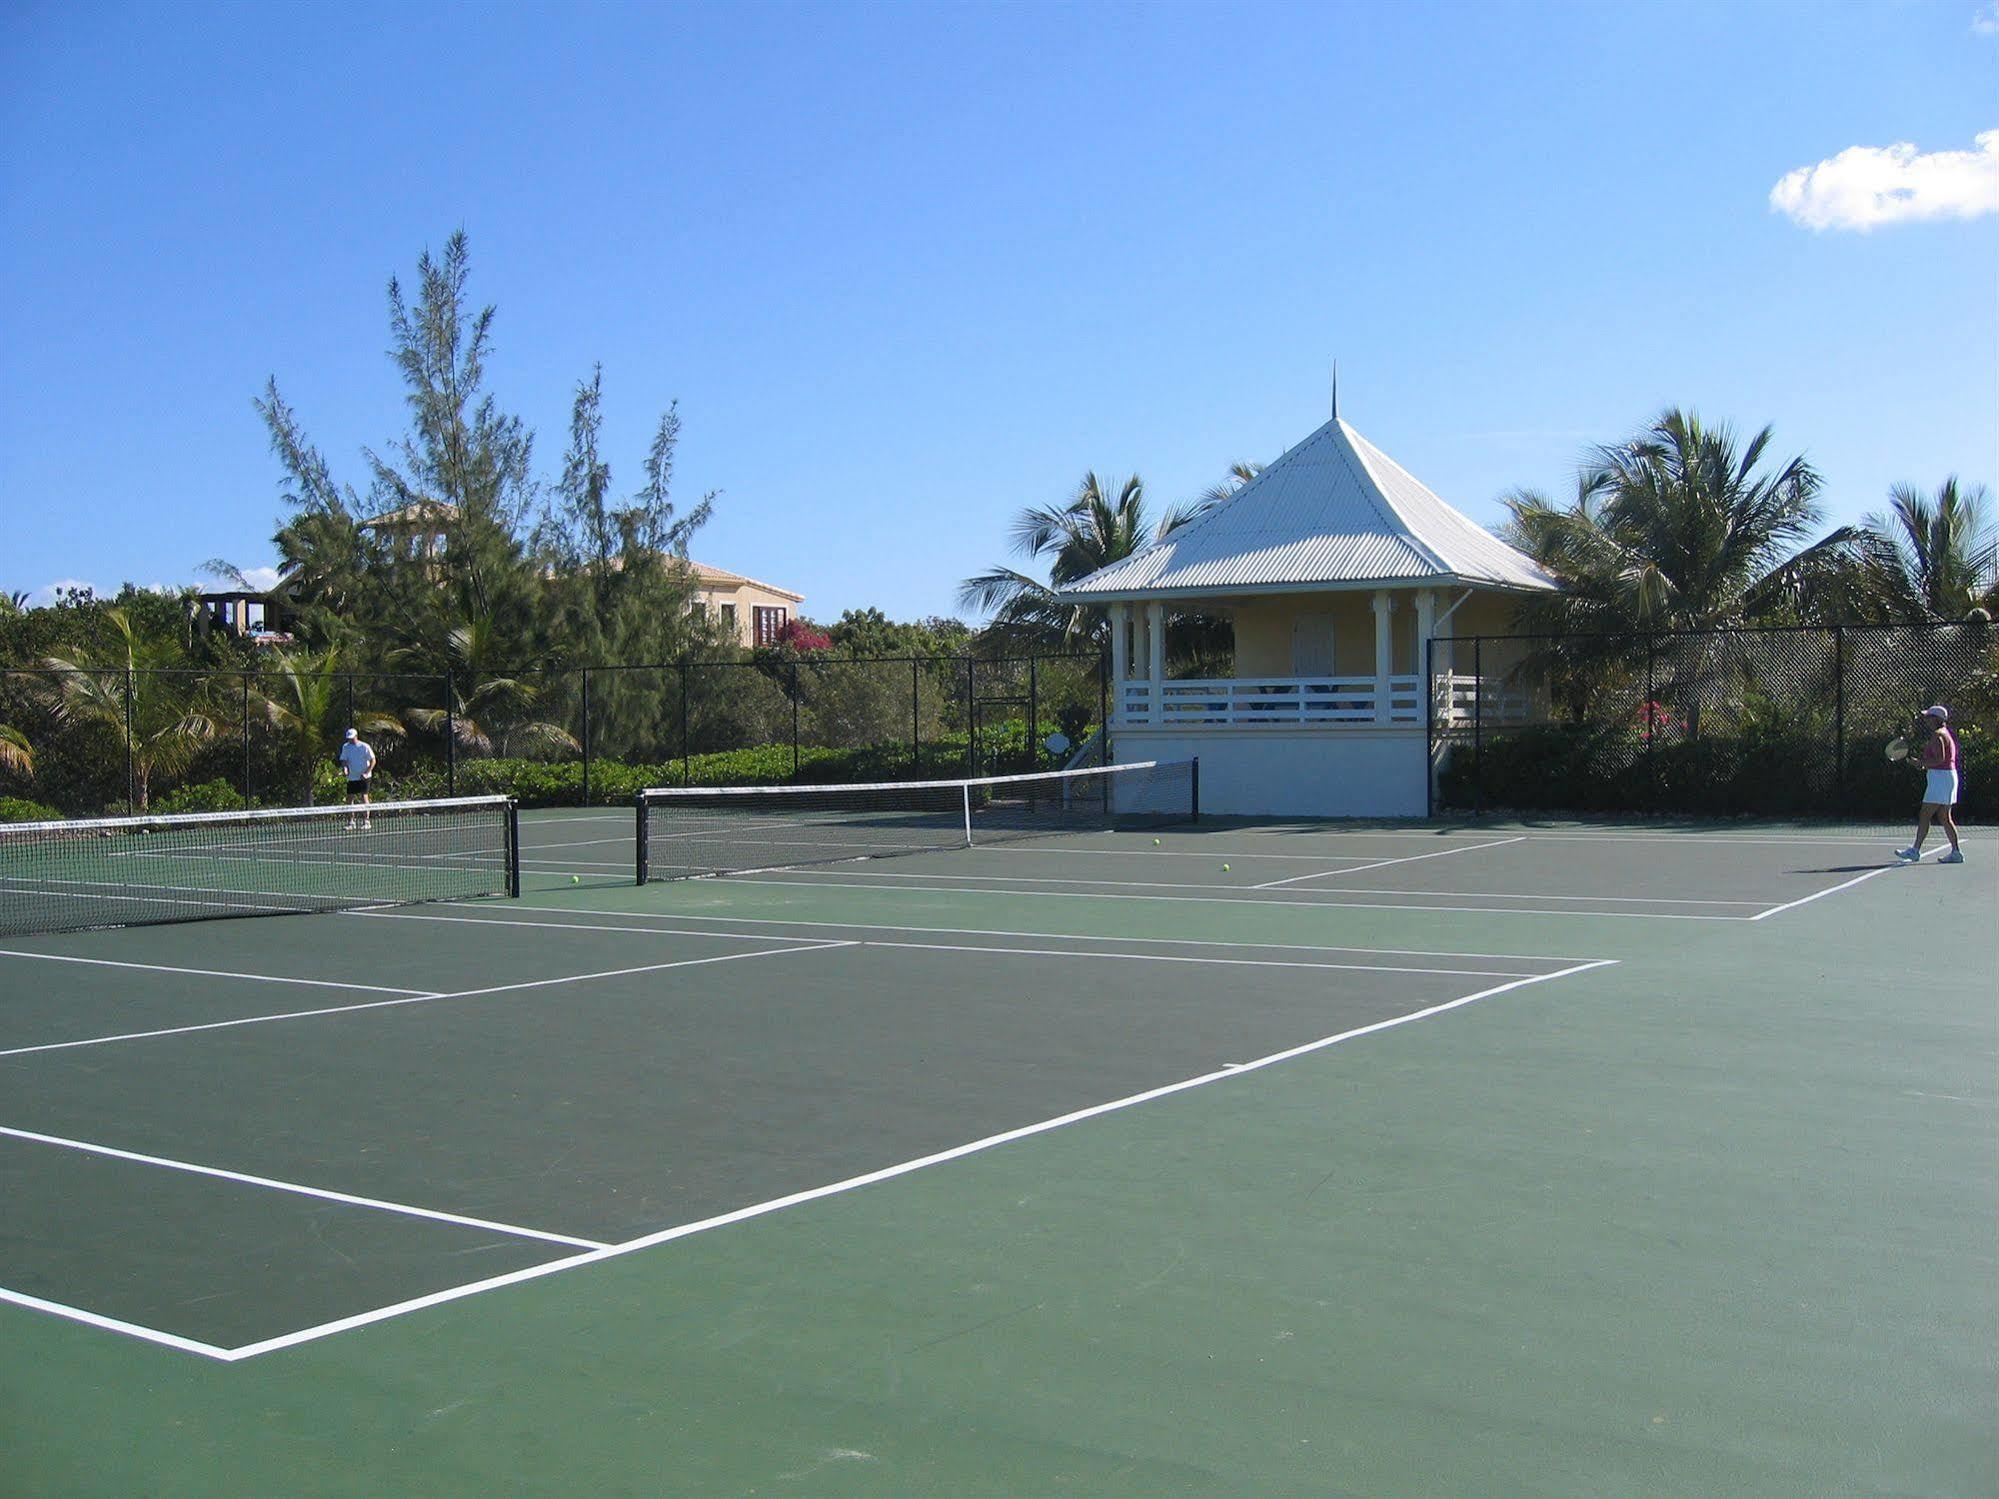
(513, 849)
(586, 736)
(246, 741)
(1839, 717)
(643, 836)
(1478, 726)
(1194, 789)
(450, 728)
(131, 769)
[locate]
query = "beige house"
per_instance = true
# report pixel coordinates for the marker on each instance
(750, 611)
(1344, 576)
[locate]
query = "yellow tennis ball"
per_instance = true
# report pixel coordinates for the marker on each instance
(576, 879)
(1225, 869)
(1155, 843)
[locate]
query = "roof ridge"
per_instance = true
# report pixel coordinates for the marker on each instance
(1379, 497)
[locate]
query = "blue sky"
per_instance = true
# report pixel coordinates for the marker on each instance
(910, 268)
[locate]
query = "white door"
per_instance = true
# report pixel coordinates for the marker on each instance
(1312, 645)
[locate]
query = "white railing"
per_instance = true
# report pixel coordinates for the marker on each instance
(1285, 701)
(1459, 694)
(1295, 701)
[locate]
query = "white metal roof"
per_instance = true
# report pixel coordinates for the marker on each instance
(1333, 512)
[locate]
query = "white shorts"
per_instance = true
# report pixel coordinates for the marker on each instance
(1942, 788)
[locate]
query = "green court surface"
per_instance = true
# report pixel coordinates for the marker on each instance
(1387, 1160)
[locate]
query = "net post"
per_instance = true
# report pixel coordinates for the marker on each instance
(965, 791)
(513, 849)
(1194, 777)
(643, 836)
(586, 736)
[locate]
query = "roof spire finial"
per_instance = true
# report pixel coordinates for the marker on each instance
(1336, 389)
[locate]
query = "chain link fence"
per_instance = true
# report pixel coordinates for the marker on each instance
(1775, 722)
(113, 741)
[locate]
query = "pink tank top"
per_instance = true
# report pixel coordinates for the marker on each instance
(1945, 754)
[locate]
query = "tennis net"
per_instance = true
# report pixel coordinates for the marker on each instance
(686, 833)
(131, 871)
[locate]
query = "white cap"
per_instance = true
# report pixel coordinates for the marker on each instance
(353, 733)
(1940, 713)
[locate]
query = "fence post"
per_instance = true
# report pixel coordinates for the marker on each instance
(1033, 714)
(686, 763)
(131, 769)
(586, 736)
(1429, 728)
(915, 718)
(971, 716)
(1478, 725)
(1651, 714)
(1104, 659)
(246, 741)
(794, 720)
(450, 730)
(1839, 717)
(349, 678)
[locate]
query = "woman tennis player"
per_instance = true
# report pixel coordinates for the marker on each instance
(1940, 790)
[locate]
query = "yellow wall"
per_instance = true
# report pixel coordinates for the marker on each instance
(1263, 629)
(747, 597)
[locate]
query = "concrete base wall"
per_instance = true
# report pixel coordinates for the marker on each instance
(1259, 771)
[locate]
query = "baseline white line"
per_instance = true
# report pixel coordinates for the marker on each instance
(886, 1173)
(1442, 853)
(1150, 957)
(379, 914)
(114, 1324)
(1606, 836)
(1822, 894)
(211, 973)
(979, 931)
(89, 1147)
(414, 999)
(1213, 900)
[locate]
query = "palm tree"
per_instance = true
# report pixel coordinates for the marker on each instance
(158, 725)
(1087, 534)
(1931, 557)
(306, 707)
(489, 714)
(16, 754)
(1676, 530)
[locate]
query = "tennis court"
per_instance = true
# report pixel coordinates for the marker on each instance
(1184, 1156)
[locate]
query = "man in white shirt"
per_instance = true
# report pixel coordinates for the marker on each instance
(357, 758)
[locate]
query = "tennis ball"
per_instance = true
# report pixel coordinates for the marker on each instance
(1155, 843)
(576, 879)
(1225, 869)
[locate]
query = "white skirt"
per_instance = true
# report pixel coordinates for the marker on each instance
(1942, 788)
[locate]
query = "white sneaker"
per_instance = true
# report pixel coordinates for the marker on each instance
(1907, 855)
(1955, 856)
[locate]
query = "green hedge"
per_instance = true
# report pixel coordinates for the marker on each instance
(18, 809)
(1774, 773)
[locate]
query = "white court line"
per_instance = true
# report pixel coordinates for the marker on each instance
(414, 999)
(1822, 894)
(347, 1198)
(114, 1324)
(1607, 836)
(978, 931)
(1153, 957)
(1442, 853)
(886, 1173)
(212, 973)
(1624, 900)
(784, 879)
(1071, 849)
(1034, 952)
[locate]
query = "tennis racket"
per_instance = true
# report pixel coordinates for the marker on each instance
(1898, 748)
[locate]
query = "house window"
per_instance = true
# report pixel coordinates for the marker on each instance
(769, 622)
(729, 618)
(1312, 645)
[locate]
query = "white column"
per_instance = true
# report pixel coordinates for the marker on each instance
(1426, 626)
(1155, 652)
(1120, 643)
(1384, 652)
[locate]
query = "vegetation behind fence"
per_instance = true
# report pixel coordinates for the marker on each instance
(1773, 722)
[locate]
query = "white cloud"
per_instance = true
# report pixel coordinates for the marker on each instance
(1866, 186)
(261, 577)
(1986, 21)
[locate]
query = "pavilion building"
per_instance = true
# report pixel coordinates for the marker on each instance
(1338, 570)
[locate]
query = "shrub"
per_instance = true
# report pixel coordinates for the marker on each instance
(206, 796)
(19, 809)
